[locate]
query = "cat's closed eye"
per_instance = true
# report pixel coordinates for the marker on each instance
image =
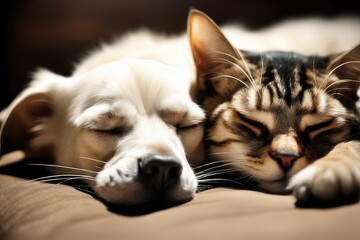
(252, 125)
(312, 130)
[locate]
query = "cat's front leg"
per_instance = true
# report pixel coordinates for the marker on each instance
(334, 177)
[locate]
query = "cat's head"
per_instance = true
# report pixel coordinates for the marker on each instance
(270, 114)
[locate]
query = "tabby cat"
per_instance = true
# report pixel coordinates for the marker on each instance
(286, 121)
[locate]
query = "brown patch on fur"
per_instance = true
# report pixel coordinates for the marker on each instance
(160, 149)
(173, 117)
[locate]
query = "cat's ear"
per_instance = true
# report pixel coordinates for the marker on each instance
(210, 48)
(347, 65)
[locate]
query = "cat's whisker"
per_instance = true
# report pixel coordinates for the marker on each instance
(224, 60)
(233, 160)
(246, 65)
(216, 163)
(337, 89)
(219, 180)
(211, 167)
(238, 61)
(62, 176)
(214, 173)
(75, 178)
(232, 77)
(92, 159)
(62, 167)
(213, 170)
(334, 69)
(65, 179)
(209, 177)
(336, 94)
(227, 153)
(86, 191)
(216, 180)
(247, 74)
(245, 176)
(339, 82)
(251, 79)
(205, 165)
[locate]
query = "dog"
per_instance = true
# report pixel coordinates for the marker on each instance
(126, 110)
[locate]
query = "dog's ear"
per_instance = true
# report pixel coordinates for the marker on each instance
(22, 116)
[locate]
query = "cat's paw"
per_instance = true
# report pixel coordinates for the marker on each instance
(326, 180)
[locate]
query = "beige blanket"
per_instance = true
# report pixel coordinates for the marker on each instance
(44, 211)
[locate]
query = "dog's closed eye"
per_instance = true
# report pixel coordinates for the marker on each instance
(109, 124)
(107, 119)
(184, 116)
(182, 120)
(115, 131)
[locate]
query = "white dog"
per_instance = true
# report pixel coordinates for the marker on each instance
(126, 110)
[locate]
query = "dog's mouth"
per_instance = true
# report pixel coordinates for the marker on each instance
(153, 179)
(136, 194)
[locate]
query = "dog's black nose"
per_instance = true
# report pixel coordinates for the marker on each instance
(160, 172)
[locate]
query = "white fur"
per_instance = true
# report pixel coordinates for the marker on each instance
(329, 177)
(138, 92)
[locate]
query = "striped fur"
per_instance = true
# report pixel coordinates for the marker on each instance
(273, 114)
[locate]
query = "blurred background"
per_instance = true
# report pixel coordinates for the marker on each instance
(56, 33)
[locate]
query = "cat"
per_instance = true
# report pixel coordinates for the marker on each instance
(286, 121)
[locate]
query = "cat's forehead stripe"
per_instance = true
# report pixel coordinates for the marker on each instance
(297, 83)
(265, 99)
(278, 84)
(307, 102)
(285, 73)
(321, 100)
(252, 99)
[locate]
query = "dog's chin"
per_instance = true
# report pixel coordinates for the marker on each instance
(134, 193)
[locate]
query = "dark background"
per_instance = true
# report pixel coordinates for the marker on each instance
(55, 33)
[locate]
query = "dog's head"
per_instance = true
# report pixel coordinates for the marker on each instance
(128, 128)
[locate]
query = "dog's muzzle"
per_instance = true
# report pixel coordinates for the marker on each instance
(159, 172)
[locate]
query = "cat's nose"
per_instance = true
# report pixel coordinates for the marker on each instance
(159, 172)
(285, 158)
(285, 149)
